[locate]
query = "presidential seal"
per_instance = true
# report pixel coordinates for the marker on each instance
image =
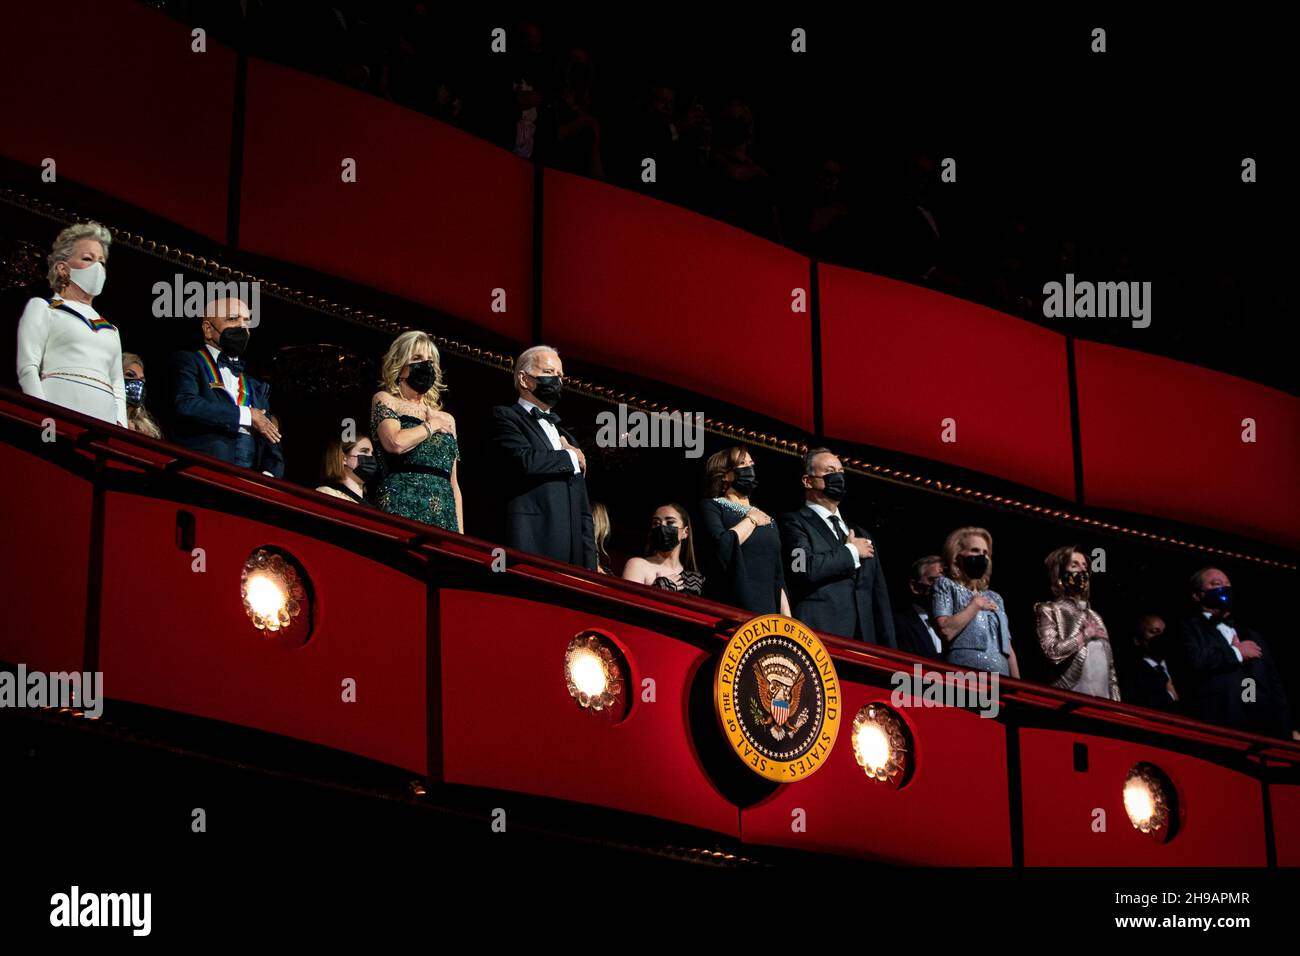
(777, 698)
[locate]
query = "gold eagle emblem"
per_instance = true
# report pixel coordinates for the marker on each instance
(780, 684)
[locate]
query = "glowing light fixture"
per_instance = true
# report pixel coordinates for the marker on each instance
(880, 745)
(275, 597)
(592, 672)
(1149, 799)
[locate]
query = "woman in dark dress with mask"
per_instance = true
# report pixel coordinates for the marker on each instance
(347, 467)
(416, 439)
(741, 545)
(669, 559)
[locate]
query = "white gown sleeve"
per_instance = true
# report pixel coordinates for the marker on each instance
(33, 332)
(119, 384)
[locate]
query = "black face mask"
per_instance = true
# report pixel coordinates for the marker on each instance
(135, 392)
(1217, 599)
(365, 467)
(923, 592)
(1152, 646)
(664, 537)
(974, 565)
(548, 388)
(1076, 582)
(420, 378)
(835, 489)
(744, 482)
(234, 340)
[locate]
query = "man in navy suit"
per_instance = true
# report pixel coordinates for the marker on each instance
(219, 409)
(836, 584)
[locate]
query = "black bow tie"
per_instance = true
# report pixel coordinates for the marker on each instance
(234, 364)
(551, 417)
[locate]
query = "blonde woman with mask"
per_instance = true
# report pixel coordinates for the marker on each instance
(415, 439)
(68, 353)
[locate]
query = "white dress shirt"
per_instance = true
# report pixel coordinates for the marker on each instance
(552, 433)
(925, 619)
(836, 523)
(231, 381)
(1158, 665)
(1229, 635)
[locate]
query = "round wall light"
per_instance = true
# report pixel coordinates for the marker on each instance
(1151, 801)
(595, 673)
(274, 591)
(881, 745)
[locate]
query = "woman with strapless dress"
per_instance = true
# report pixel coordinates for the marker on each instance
(414, 437)
(668, 561)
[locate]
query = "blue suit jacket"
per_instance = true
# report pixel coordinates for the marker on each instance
(206, 419)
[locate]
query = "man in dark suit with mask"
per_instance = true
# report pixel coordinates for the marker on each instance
(1224, 670)
(218, 408)
(544, 471)
(1146, 680)
(835, 581)
(914, 626)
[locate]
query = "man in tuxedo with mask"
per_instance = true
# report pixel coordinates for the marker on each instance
(1147, 681)
(543, 469)
(218, 407)
(914, 627)
(835, 581)
(1215, 657)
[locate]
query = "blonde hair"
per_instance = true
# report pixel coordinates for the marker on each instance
(65, 244)
(952, 567)
(399, 353)
(138, 418)
(600, 529)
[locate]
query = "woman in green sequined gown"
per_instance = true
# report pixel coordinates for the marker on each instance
(415, 439)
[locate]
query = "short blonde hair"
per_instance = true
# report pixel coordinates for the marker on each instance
(130, 358)
(952, 567)
(66, 242)
(399, 353)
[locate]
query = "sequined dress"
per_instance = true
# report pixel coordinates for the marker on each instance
(1085, 667)
(416, 485)
(985, 643)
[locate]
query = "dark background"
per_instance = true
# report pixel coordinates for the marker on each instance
(1129, 162)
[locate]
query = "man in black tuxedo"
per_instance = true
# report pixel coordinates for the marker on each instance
(835, 580)
(1147, 681)
(913, 627)
(547, 511)
(218, 408)
(1215, 659)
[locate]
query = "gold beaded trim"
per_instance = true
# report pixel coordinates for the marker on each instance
(89, 378)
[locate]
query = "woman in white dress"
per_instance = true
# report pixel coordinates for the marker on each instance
(68, 353)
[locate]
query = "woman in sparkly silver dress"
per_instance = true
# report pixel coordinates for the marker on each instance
(971, 618)
(1072, 634)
